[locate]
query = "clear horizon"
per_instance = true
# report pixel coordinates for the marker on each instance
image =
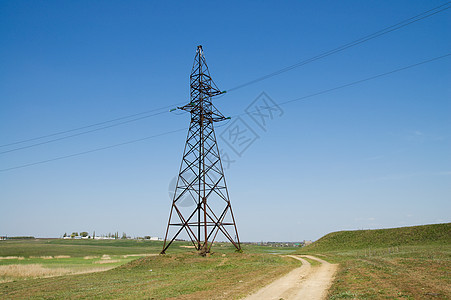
(338, 152)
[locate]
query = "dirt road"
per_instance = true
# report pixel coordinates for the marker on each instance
(305, 282)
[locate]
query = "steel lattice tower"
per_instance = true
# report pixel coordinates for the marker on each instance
(201, 205)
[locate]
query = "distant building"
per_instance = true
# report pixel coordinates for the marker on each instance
(103, 238)
(306, 243)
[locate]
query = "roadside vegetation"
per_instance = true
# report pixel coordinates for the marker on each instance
(180, 273)
(399, 263)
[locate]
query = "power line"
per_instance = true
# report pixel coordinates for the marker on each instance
(281, 103)
(366, 79)
(82, 133)
(361, 40)
(352, 83)
(93, 150)
(91, 125)
(384, 31)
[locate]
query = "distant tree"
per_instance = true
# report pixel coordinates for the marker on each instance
(124, 235)
(65, 234)
(84, 234)
(147, 237)
(74, 234)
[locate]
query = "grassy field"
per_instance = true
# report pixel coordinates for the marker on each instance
(28, 259)
(129, 274)
(78, 248)
(81, 248)
(185, 275)
(399, 263)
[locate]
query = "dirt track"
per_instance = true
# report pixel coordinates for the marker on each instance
(305, 282)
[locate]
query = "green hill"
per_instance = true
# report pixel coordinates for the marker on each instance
(436, 234)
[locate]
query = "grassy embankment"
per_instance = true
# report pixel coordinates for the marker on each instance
(181, 273)
(398, 263)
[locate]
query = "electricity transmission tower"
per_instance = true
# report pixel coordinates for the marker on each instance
(201, 205)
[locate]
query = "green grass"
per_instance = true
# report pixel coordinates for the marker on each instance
(313, 263)
(159, 277)
(267, 249)
(397, 263)
(65, 262)
(79, 248)
(58, 266)
(180, 272)
(42, 256)
(436, 234)
(410, 272)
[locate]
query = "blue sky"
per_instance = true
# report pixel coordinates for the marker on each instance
(371, 155)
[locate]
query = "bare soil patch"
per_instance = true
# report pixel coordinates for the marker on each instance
(305, 282)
